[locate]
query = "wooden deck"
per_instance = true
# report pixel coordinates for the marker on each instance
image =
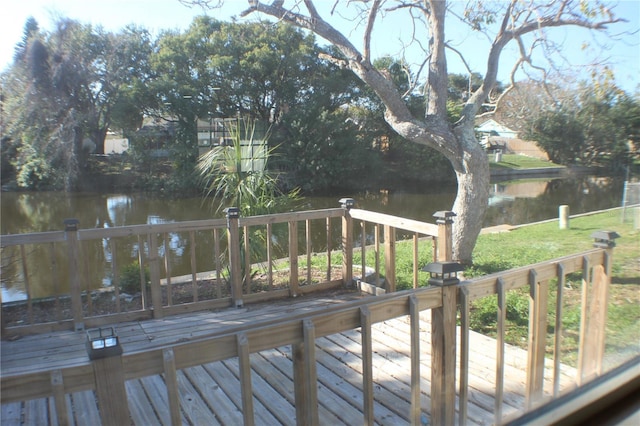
(210, 394)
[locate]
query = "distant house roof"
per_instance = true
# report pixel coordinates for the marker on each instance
(493, 127)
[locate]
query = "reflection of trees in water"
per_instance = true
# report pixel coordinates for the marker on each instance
(580, 194)
(46, 211)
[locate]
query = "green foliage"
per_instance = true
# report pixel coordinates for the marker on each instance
(238, 176)
(130, 278)
(600, 131)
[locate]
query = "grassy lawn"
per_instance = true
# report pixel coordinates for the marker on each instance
(537, 243)
(517, 162)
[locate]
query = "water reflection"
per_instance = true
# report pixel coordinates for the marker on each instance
(512, 202)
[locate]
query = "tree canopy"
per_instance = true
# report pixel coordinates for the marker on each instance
(527, 25)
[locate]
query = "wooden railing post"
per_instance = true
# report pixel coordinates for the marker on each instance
(111, 394)
(595, 298)
(347, 241)
(71, 235)
(443, 343)
(444, 249)
(233, 241)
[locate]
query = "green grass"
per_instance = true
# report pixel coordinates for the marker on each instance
(517, 162)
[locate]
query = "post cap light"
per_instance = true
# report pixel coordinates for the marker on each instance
(71, 225)
(444, 216)
(347, 203)
(232, 212)
(443, 273)
(604, 239)
(102, 343)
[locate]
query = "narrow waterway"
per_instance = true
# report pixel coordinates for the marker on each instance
(514, 202)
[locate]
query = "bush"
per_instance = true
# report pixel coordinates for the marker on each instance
(130, 278)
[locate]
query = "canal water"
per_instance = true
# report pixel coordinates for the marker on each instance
(514, 202)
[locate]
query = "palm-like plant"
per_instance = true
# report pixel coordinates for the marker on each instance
(236, 174)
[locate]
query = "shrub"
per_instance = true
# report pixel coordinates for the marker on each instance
(130, 278)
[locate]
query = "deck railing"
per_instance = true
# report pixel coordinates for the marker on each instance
(239, 249)
(444, 298)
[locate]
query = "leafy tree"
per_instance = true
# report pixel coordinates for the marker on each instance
(559, 134)
(512, 22)
(596, 130)
(61, 91)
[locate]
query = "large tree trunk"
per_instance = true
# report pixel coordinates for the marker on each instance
(471, 200)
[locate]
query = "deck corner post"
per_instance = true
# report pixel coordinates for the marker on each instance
(233, 238)
(347, 241)
(444, 220)
(71, 236)
(443, 343)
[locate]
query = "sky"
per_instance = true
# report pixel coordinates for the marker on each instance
(623, 52)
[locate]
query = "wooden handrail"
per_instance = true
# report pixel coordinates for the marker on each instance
(300, 331)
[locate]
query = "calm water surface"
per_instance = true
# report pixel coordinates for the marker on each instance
(513, 203)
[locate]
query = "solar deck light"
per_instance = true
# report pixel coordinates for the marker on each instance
(347, 203)
(443, 273)
(444, 216)
(604, 239)
(71, 225)
(102, 343)
(232, 212)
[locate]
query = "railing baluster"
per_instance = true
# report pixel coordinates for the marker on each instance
(328, 229)
(309, 249)
(500, 346)
(115, 273)
(367, 365)
(582, 354)
(270, 256)
(143, 275)
(415, 260)
(167, 269)
(55, 279)
(57, 385)
(87, 279)
(390, 257)
(245, 379)
(247, 260)
(194, 276)
(311, 375)
(557, 347)
(363, 254)
(414, 316)
(154, 274)
(300, 384)
(171, 381)
(464, 356)
(293, 258)
(27, 287)
(376, 230)
(218, 262)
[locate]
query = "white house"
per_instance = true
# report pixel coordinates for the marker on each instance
(493, 128)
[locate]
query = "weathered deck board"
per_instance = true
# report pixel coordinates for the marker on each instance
(210, 394)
